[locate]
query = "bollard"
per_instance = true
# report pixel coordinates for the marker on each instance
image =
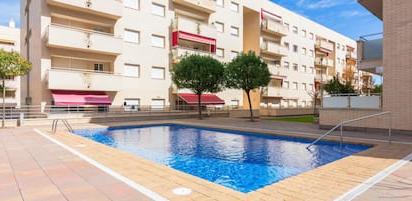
(20, 119)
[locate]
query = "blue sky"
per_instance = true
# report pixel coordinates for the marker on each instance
(347, 17)
(344, 16)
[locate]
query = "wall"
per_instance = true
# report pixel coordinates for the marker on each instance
(397, 61)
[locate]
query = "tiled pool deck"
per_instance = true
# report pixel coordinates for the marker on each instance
(324, 183)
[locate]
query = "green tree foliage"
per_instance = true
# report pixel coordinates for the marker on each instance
(247, 72)
(335, 86)
(200, 74)
(377, 89)
(11, 65)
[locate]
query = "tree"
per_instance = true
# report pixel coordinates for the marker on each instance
(11, 65)
(335, 86)
(200, 74)
(247, 72)
(377, 89)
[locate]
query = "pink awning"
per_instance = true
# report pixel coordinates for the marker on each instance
(207, 99)
(64, 98)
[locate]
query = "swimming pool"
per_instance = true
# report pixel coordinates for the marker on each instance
(242, 161)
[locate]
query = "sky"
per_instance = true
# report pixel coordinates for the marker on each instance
(344, 16)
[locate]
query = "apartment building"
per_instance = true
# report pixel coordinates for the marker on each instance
(10, 41)
(388, 54)
(121, 51)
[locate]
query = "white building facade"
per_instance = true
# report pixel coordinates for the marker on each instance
(124, 49)
(10, 41)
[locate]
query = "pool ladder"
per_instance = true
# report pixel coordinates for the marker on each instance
(65, 122)
(355, 120)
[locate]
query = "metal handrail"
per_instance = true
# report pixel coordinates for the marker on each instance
(340, 125)
(65, 122)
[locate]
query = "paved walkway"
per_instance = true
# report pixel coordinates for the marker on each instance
(35, 169)
(395, 187)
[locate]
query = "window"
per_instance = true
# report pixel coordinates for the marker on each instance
(304, 86)
(220, 27)
(131, 36)
(304, 51)
(287, 26)
(287, 45)
(131, 4)
(158, 73)
(158, 104)
(99, 67)
(295, 67)
(295, 29)
(158, 41)
(312, 53)
(286, 84)
(311, 36)
(234, 31)
(220, 52)
(234, 103)
(132, 70)
(233, 54)
(286, 64)
(295, 85)
(304, 33)
(311, 86)
(158, 9)
(338, 46)
(304, 68)
(220, 3)
(131, 104)
(312, 70)
(234, 6)
(295, 48)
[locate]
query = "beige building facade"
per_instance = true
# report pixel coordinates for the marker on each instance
(389, 54)
(10, 41)
(124, 49)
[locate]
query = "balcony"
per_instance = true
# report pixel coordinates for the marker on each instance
(351, 55)
(107, 8)
(273, 48)
(370, 53)
(374, 6)
(207, 6)
(274, 27)
(179, 52)
(83, 80)
(324, 46)
(83, 40)
(277, 70)
(194, 27)
(325, 62)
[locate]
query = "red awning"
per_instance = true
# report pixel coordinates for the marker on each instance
(64, 98)
(196, 38)
(207, 99)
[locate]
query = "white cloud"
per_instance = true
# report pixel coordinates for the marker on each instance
(352, 13)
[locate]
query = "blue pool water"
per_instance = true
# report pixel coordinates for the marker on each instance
(238, 160)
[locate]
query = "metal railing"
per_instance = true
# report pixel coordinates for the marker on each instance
(355, 120)
(76, 111)
(65, 122)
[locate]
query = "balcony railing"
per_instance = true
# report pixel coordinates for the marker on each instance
(82, 79)
(325, 62)
(81, 39)
(274, 27)
(207, 6)
(370, 52)
(179, 52)
(107, 8)
(194, 27)
(324, 45)
(273, 48)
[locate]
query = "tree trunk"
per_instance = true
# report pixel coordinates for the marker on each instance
(4, 104)
(250, 106)
(199, 105)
